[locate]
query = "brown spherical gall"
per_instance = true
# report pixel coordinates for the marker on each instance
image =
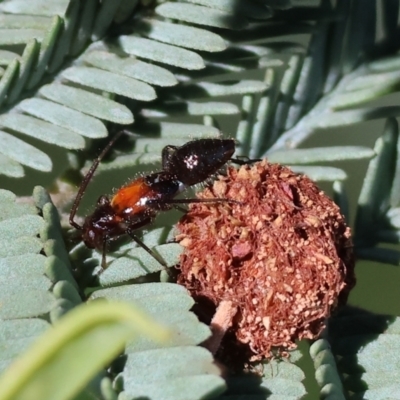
(280, 260)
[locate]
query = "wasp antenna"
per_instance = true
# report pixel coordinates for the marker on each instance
(129, 133)
(150, 251)
(87, 179)
(103, 256)
(244, 160)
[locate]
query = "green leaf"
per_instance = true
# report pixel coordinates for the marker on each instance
(360, 340)
(169, 304)
(20, 246)
(7, 79)
(185, 373)
(191, 108)
(137, 262)
(18, 267)
(56, 270)
(46, 50)
(88, 103)
(64, 117)
(40, 197)
(65, 290)
(27, 62)
(326, 373)
(36, 301)
(7, 197)
(42, 130)
(375, 194)
(215, 89)
(187, 331)
(330, 174)
(63, 47)
(7, 56)
(249, 8)
(16, 336)
(173, 130)
(13, 210)
(393, 215)
(21, 265)
(19, 36)
(21, 21)
(21, 226)
(283, 381)
(110, 82)
(348, 117)
(104, 18)
(180, 35)
(84, 28)
(364, 89)
(201, 15)
(182, 362)
(10, 167)
(321, 154)
(158, 294)
(310, 79)
(159, 52)
(131, 67)
(73, 345)
(35, 7)
(395, 190)
(24, 153)
(353, 89)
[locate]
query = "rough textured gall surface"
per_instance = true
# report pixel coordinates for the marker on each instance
(283, 257)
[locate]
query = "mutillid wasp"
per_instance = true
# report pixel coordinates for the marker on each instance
(136, 204)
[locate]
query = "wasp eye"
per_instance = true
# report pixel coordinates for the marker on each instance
(103, 200)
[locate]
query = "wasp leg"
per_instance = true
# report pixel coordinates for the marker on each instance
(181, 209)
(103, 256)
(189, 201)
(245, 160)
(150, 251)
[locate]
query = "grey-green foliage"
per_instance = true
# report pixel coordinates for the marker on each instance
(181, 371)
(280, 379)
(35, 270)
(367, 346)
(170, 70)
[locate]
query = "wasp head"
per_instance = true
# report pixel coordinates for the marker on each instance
(101, 225)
